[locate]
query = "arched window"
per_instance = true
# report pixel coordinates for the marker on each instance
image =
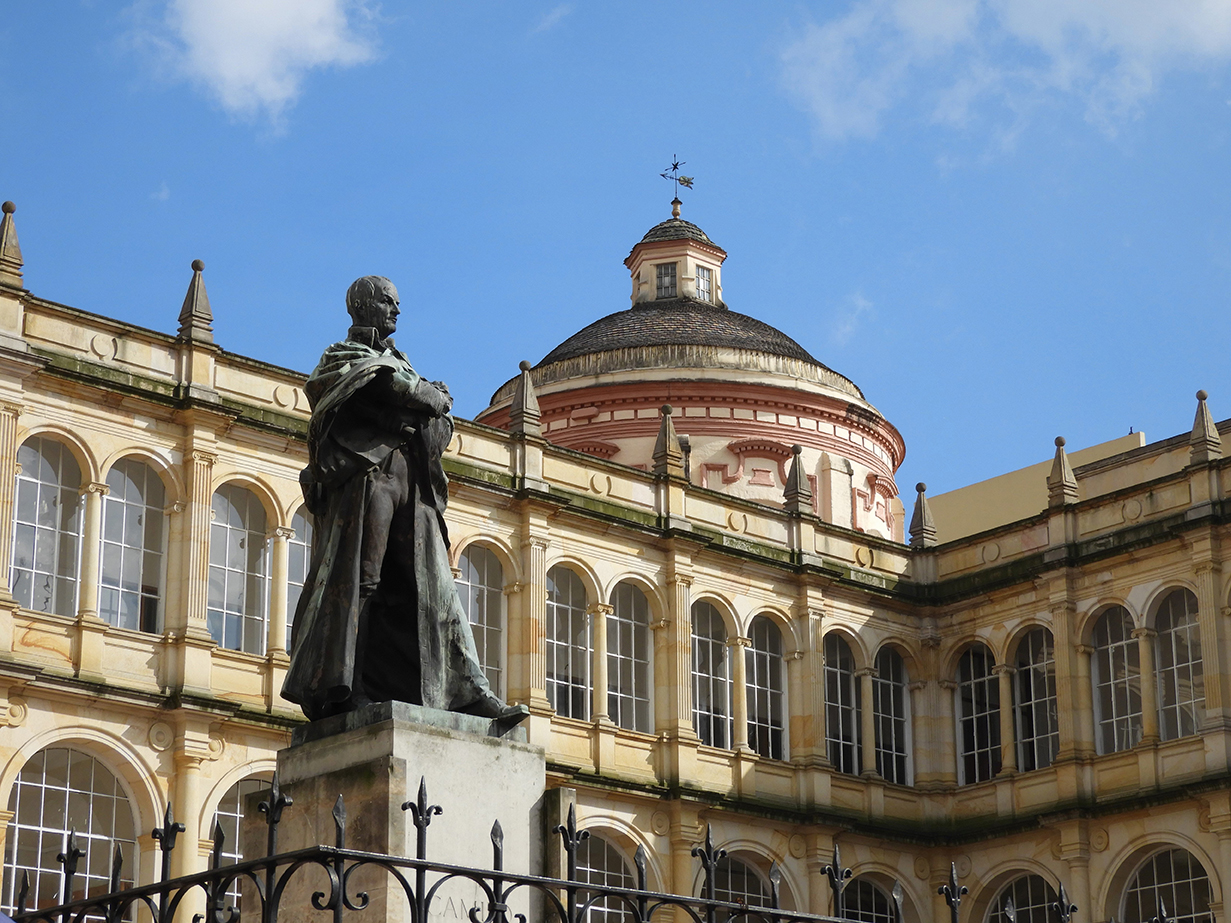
(766, 682)
(230, 815)
(236, 616)
(841, 706)
(1181, 683)
(711, 684)
(480, 586)
(568, 644)
(865, 902)
(1177, 879)
(130, 578)
(1032, 900)
(600, 863)
(1116, 676)
(298, 559)
(739, 883)
(1034, 688)
(628, 659)
(47, 527)
(891, 706)
(61, 789)
(978, 701)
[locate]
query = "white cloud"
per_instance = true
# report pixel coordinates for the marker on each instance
(848, 322)
(252, 55)
(553, 17)
(162, 193)
(950, 62)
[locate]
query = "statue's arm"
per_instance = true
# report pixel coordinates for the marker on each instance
(405, 388)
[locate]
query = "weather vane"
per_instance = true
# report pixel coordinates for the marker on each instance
(672, 173)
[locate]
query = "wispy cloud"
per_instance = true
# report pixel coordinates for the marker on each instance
(252, 57)
(953, 62)
(162, 193)
(553, 17)
(853, 311)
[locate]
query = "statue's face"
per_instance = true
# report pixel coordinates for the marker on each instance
(385, 311)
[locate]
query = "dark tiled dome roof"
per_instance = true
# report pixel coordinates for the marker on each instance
(677, 229)
(678, 322)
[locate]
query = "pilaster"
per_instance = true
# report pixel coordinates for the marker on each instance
(739, 692)
(1008, 739)
(867, 721)
(9, 412)
(1149, 685)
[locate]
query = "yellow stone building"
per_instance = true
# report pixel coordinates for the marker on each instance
(714, 613)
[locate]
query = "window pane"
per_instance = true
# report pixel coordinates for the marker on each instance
(628, 665)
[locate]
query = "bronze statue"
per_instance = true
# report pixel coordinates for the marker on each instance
(379, 618)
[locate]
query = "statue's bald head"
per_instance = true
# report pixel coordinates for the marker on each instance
(363, 297)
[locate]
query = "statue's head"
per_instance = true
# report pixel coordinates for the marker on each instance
(373, 302)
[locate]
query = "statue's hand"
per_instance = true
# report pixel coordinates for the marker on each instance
(444, 389)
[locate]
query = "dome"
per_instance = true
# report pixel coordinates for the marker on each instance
(676, 229)
(678, 322)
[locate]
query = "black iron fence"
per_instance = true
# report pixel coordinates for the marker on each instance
(421, 882)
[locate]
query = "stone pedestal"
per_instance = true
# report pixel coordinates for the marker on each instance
(476, 771)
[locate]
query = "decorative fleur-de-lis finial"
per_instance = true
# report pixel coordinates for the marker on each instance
(497, 836)
(572, 838)
(1009, 910)
(710, 858)
(838, 877)
(1162, 913)
(166, 835)
(1064, 907)
(421, 814)
(272, 809)
(117, 868)
(218, 838)
(775, 885)
(899, 902)
(23, 893)
(953, 893)
(69, 858)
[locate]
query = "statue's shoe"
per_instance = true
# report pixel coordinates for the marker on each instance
(491, 707)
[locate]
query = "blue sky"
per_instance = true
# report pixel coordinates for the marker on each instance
(1004, 219)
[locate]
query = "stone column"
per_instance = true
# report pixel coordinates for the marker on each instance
(676, 704)
(1149, 689)
(8, 485)
(598, 613)
(91, 530)
(1008, 737)
(946, 724)
(534, 614)
(279, 567)
(196, 570)
(1067, 696)
(1086, 732)
(186, 803)
(516, 686)
(739, 692)
(867, 721)
(918, 740)
(796, 743)
(1214, 663)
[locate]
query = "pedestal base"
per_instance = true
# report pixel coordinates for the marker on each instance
(374, 758)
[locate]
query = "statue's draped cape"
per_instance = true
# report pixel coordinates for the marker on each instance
(368, 403)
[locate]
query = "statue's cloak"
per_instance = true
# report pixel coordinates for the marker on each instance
(368, 403)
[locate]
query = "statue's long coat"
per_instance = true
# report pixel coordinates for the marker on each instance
(367, 403)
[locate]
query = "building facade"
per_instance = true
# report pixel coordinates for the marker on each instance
(712, 610)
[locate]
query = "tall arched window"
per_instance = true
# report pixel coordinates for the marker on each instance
(978, 701)
(236, 615)
(842, 706)
(298, 559)
(766, 682)
(628, 659)
(568, 644)
(61, 789)
(1181, 682)
(130, 578)
(711, 684)
(739, 883)
(1032, 900)
(1116, 676)
(891, 706)
(47, 527)
(864, 901)
(480, 586)
(230, 815)
(1175, 877)
(600, 863)
(1034, 688)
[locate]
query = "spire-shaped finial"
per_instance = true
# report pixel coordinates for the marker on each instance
(1205, 445)
(524, 414)
(797, 491)
(675, 207)
(196, 319)
(668, 454)
(922, 525)
(1061, 483)
(10, 250)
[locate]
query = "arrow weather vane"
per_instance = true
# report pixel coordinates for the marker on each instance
(672, 173)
